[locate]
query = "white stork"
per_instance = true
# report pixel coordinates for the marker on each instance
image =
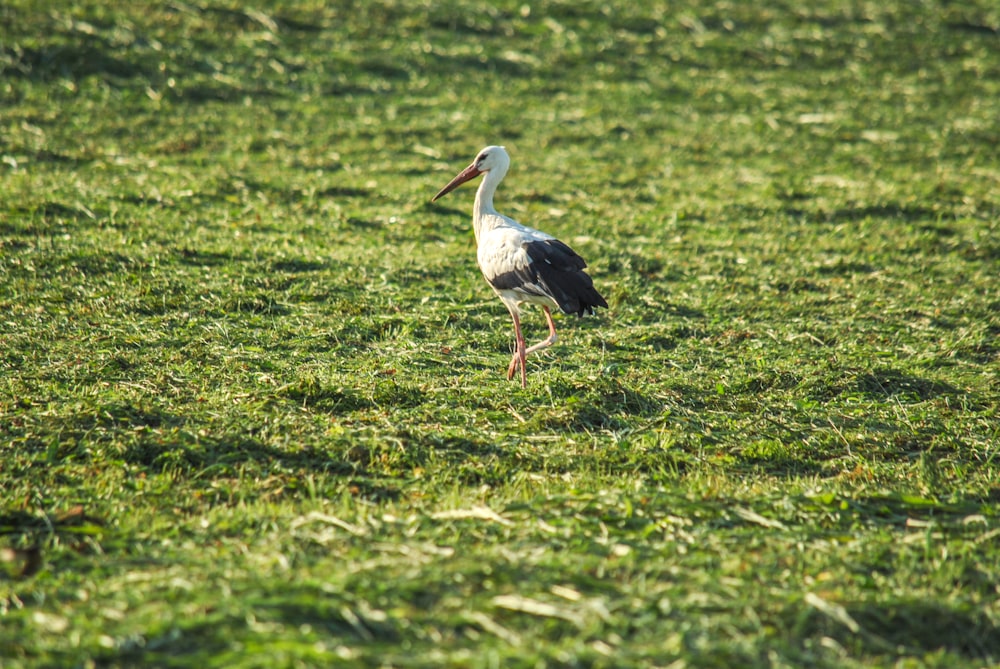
(521, 264)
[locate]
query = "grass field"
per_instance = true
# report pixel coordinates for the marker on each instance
(253, 410)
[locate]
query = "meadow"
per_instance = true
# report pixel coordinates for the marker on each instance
(253, 409)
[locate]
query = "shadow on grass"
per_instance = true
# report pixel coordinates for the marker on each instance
(307, 605)
(890, 383)
(897, 509)
(606, 404)
(217, 634)
(47, 218)
(201, 258)
(16, 522)
(905, 627)
(298, 266)
(888, 211)
(782, 463)
(159, 440)
(879, 384)
(344, 191)
(225, 454)
(846, 268)
(232, 455)
(852, 214)
(90, 56)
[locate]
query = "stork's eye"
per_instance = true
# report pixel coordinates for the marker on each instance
(482, 157)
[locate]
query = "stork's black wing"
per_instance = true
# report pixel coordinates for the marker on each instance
(553, 269)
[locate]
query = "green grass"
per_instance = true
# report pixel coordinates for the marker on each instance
(252, 401)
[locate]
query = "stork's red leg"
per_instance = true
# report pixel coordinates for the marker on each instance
(552, 334)
(520, 352)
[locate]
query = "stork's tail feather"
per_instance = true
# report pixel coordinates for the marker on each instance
(575, 292)
(591, 302)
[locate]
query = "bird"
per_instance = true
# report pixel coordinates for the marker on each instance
(522, 265)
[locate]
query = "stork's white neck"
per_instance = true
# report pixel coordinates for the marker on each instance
(484, 215)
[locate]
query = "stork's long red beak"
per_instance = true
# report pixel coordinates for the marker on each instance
(468, 173)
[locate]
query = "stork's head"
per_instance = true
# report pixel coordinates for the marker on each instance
(491, 159)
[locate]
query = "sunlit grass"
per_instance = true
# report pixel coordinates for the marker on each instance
(252, 401)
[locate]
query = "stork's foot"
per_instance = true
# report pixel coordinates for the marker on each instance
(515, 362)
(518, 360)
